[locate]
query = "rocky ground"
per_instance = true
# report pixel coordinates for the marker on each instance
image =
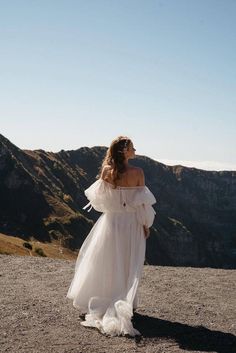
(181, 309)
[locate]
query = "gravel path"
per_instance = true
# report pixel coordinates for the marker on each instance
(182, 309)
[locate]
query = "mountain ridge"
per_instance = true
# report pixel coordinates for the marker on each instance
(43, 195)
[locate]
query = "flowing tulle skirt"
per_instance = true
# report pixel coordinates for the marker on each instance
(107, 273)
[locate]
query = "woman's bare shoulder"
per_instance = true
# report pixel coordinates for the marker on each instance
(105, 171)
(137, 175)
(134, 175)
(136, 170)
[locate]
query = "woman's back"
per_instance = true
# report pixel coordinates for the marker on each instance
(110, 261)
(133, 176)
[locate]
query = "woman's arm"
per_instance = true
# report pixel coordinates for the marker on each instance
(141, 182)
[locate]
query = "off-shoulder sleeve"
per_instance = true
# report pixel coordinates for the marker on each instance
(99, 196)
(143, 203)
(103, 198)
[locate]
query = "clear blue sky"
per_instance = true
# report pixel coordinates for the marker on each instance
(79, 73)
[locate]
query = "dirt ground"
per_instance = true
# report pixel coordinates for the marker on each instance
(181, 309)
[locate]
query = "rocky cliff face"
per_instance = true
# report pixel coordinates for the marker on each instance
(197, 215)
(42, 197)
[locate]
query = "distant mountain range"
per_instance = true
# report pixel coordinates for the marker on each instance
(42, 195)
(206, 165)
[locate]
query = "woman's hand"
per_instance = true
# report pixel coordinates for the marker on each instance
(146, 231)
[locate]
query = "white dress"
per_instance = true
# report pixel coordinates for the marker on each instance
(110, 261)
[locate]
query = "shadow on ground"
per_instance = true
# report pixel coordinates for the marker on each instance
(188, 337)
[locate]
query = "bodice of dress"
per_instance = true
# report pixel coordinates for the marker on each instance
(104, 198)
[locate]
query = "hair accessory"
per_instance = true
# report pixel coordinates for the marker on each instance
(125, 145)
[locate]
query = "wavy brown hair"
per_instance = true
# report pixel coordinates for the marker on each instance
(115, 158)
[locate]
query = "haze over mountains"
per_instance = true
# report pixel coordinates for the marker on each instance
(206, 165)
(42, 195)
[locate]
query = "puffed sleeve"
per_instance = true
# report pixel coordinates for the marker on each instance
(143, 203)
(99, 196)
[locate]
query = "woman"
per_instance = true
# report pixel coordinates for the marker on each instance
(110, 261)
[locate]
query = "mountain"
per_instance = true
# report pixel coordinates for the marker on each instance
(42, 195)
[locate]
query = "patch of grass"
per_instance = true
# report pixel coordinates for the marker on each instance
(67, 219)
(40, 252)
(12, 245)
(3, 252)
